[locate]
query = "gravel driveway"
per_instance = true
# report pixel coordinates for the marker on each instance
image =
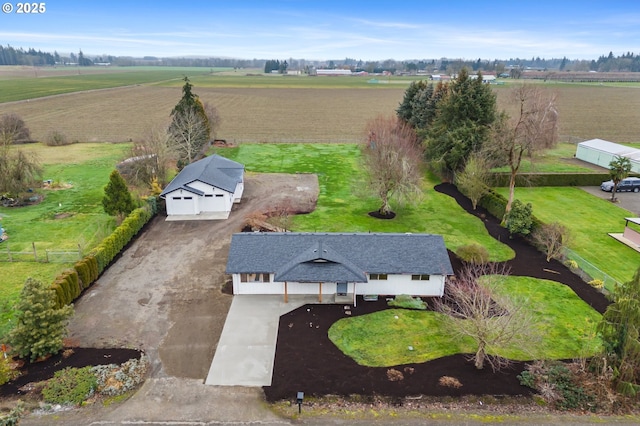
(164, 295)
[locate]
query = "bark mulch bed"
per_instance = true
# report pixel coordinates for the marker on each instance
(306, 360)
(72, 357)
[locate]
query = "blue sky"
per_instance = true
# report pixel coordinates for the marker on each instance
(327, 29)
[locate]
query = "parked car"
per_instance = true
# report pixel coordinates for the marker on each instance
(626, 184)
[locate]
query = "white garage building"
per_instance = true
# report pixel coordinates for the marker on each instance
(206, 189)
(338, 266)
(601, 152)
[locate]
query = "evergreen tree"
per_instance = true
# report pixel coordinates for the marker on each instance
(462, 123)
(41, 327)
(620, 333)
(117, 199)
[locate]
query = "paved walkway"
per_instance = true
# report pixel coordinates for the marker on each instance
(247, 346)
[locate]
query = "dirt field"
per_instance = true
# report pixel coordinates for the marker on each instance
(248, 114)
(296, 114)
(164, 295)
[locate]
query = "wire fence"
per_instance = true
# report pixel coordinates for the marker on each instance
(588, 271)
(39, 255)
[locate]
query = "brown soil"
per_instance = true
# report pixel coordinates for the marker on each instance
(306, 360)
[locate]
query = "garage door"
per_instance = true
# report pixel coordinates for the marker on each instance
(181, 205)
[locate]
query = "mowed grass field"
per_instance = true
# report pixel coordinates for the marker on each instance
(272, 108)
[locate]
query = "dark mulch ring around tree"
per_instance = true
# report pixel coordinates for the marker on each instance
(379, 215)
(307, 361)
(68, 357)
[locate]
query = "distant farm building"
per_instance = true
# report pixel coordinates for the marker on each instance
(601, 152)
(333, 72)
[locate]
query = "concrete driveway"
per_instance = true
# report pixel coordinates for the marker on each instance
(627, 200)
(247, 346)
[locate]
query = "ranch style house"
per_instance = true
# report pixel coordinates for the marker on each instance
(205, 189)
(338, 266)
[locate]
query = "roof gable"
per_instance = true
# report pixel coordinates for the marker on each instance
(292, 254)
(214, 170)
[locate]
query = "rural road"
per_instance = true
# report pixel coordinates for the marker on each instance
(164, 295)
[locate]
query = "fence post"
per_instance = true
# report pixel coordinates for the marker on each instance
(79, 252)
(46, 255)
(35, 254)
(9, 253)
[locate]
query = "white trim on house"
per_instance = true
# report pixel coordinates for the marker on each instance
(315, 264)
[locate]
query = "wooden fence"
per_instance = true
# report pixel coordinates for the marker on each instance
(35, 255)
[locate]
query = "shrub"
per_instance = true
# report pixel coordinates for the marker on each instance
(40, 325)
(7, 373)
(519, 220)
(571, 264)
(70, 386)
(56, 138)
(407, 302)
(473, 253)
(597, 283)
(394, 375)
(556, 384)
(449, 382)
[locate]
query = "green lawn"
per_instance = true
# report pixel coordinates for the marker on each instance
(590, 219)
(564, 325)
(85, 169)
(343, 204)
(15, 89)
(557, 160)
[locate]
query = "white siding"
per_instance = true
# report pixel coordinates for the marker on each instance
(237, 194)
(394, 285)
(181, 202)
(214, 199)
(403, 284)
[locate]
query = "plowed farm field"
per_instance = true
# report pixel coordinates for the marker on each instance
(248, 114)
(300, 114)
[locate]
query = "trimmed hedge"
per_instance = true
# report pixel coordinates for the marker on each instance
(70, 283)
(550, 179)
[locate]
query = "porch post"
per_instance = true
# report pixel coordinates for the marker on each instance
(354, 295)
(320, 293)
(286, 294)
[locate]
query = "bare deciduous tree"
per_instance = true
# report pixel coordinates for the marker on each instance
(534, 128)
(13, 130)
(153, 154)
(473, 181)
(476, 311)
(552, 238)
(392, 159)
(189, 133)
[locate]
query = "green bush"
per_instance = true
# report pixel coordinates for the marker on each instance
(473, 253)
(556, 385)
(6, 372)
(520, 218)
(495, 204)
(407, 302)
(70, 386)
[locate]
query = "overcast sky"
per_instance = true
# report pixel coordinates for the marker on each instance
(327, 29)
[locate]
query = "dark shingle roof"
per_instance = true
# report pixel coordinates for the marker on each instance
(330, 257)
(213, 170)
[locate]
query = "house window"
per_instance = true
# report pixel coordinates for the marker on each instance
(188, 198)
(208, 195)
(420, 277)
(219, 195)
(380, 277)
(260, 277)
(177, 198)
